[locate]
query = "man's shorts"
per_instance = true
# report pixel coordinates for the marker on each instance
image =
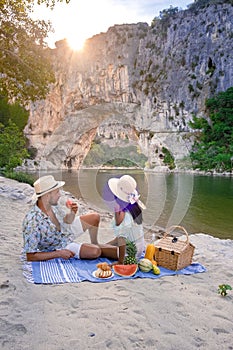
(75, 248)
(77, 229)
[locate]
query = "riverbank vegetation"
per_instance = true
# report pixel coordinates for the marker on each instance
(13, 144)
(213, 148)
(127, 156)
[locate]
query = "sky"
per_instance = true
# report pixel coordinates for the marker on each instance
(81, 19)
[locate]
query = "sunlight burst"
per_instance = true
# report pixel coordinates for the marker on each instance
(76, 43)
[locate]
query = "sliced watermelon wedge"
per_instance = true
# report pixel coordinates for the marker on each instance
(69, 203)
(125, 270)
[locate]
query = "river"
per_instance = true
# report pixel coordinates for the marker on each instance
(196, 202)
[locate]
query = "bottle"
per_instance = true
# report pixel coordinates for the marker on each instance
(152, 238)
(150, 249)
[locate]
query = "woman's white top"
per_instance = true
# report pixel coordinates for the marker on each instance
(131, 231)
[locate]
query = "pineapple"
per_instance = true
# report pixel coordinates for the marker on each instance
(131, 251)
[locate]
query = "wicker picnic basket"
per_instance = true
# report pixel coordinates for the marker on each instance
(174, 253)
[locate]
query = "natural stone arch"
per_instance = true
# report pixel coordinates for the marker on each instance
(70, 142)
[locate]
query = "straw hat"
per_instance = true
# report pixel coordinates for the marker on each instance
(124, 188)
(46, 184)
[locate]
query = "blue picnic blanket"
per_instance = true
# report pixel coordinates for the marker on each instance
(63, 271)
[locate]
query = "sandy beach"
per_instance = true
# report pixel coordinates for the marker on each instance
(169, 313)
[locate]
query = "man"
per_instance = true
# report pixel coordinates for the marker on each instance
(44, 231)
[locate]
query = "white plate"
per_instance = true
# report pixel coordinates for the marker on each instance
(102, 278)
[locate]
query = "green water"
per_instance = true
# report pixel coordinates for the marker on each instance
(198, 203)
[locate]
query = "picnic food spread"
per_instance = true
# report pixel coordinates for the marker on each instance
(145, 265)
(131, 251)
(125, 270)
(103, 270)
(150, 251)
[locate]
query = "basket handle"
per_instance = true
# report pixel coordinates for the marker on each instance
(171, 228)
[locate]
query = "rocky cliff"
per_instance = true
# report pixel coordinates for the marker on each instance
(146, 81)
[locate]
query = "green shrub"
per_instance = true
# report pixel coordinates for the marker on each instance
(213, 148)
(19, 176)
(168, 158)
(14, 112)
(12, 146)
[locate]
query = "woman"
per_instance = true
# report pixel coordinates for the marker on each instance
(127, 223)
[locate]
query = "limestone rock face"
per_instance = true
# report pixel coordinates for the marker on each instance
(146, 82)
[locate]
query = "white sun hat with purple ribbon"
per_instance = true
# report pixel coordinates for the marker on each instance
(124, 188)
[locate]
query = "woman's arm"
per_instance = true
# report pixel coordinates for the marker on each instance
(119, 217)
(122, 249)
(41, 256)
(119, 214)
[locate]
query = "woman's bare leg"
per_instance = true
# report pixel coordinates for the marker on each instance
(109, 251)
(115, 249)
(93, 251)
(89, 251)
(91, 222)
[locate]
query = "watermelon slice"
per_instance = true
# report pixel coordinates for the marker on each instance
(125, 270)
(69, 203)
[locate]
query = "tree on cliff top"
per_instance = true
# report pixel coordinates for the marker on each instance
(25, 68)
(200, 4)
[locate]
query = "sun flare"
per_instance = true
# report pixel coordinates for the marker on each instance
(76, 43)
(80, 20)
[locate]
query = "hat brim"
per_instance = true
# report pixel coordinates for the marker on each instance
(38, 195)
(113, 185)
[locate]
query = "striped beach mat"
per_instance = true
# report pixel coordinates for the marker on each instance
(57, 271)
